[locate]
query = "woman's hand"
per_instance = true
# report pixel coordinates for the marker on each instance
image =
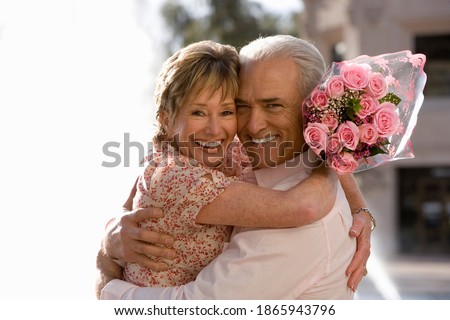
(362, 230)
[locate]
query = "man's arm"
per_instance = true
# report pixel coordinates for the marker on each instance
(261, 264)
(119, 289)
(361, 229)
(231, 277)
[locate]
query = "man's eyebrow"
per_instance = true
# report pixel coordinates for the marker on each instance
(265, 100)
(268, 100)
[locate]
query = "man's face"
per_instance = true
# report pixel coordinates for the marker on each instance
(269, 112)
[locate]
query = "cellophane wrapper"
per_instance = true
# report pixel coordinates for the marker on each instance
(363, 111)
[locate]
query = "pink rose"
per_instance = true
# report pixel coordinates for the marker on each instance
(316, 136)
(369, 105)
(335, 87)
(356, 76)
(319, 99)
(342, 163)
(308, 103)
(348, 134)
(330, 120)
(377, 85)
(334, 145)
(368, 133)
(386, 119)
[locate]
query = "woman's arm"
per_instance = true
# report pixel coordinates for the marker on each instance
(352, 192)
(361, 229)
(247, 205)
(124, 239)
(240, 204)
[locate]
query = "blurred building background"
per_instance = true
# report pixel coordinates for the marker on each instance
(410, 198)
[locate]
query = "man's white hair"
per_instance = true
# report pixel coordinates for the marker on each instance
(310, 62)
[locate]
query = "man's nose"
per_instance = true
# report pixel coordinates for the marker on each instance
(256, 121)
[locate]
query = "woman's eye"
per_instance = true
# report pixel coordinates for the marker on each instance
(227, 113)
(197, 113)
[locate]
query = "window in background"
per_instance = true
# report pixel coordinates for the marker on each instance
(437, 68)
(424, 205)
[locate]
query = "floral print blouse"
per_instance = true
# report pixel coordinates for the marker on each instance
(181, 186)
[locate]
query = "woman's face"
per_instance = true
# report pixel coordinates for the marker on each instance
(205, 126)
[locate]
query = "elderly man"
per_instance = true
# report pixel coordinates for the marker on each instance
(313, 261)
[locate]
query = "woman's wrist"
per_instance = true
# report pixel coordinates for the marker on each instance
(366, 210)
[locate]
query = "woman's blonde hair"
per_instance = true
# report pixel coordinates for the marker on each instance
(192, 69)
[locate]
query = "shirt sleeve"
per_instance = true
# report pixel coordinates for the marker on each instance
(122, 290)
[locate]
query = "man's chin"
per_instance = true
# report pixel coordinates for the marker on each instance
(261, 161)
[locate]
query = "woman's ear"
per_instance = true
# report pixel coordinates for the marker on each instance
(164, 120)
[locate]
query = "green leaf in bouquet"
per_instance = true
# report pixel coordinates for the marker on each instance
(353, 106)
(391, 97)
(377, 150)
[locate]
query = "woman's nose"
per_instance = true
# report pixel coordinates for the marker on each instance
(213, 127)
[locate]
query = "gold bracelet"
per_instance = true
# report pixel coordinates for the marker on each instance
(372, 219)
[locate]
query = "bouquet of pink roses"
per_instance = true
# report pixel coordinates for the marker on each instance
(364, 110)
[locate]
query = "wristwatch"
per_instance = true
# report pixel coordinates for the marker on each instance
(372, 219)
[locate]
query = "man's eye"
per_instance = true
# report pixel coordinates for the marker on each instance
(274, 105)
(241, 107)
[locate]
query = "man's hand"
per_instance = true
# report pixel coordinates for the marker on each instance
(126, 241)
(361, 229)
